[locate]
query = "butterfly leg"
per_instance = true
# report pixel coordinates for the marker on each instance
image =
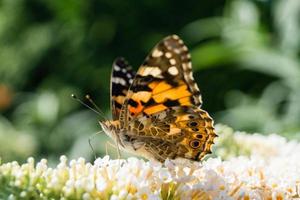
(118, 150)
(114, 146)
(90, 143)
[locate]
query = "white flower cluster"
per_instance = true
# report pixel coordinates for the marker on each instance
(267, 146)
(231, 144)
(259, 176)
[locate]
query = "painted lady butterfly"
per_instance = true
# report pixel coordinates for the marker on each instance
(156, 111)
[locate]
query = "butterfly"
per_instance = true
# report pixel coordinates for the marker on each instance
(156, 111)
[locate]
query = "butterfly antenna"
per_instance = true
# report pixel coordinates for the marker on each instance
(88, 97)
(87, 106)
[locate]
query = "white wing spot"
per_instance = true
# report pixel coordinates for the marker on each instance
(185, 66)
(177, 51)
(172, 61)
(184, 48)
(157, 53)
(175, 37)
(173, 71)
(168, 54)
(128, 75)
(191, 75)
(122, 81)
(117, 68)
(169, 47)
(154, 71)
(118, 80)
(124, 70)
(185, 57)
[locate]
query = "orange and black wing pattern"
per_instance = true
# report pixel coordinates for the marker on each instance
(159, 113)
(164, 80)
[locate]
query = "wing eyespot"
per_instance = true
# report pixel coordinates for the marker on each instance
(192, 124)
(195, 144)
(199, 136)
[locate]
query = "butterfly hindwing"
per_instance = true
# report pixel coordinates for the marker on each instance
(121, 78)
(181, 131)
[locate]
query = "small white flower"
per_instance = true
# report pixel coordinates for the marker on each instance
(144, 193)
(101, 184)
(86, 196)
(114, 197)
(165, 175)
(122, 194)
(102, 161)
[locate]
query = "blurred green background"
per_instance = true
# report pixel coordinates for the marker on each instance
(245, 56)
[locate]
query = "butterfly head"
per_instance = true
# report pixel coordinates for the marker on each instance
(110, 127)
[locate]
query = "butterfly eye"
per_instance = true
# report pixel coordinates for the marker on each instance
(192, 124)
(195, 144)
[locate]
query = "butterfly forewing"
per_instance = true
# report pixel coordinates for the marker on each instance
(121, 78)
(165, 79)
